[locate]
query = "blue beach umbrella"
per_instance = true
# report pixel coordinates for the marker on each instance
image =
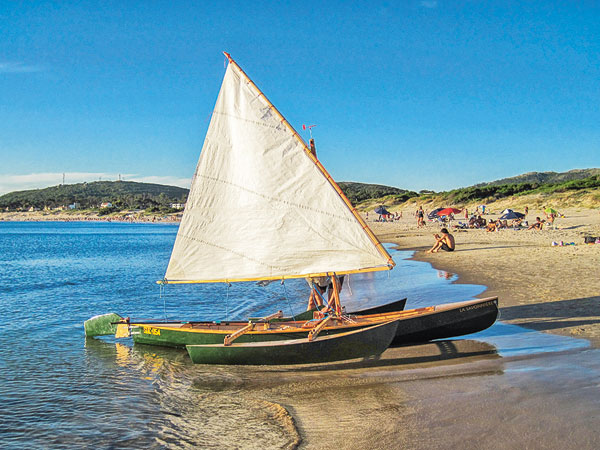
(512, 215)
(381, 210)
(434, 214)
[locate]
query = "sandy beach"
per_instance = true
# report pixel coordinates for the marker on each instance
(451, 394)
(87, 216)
(547, 288)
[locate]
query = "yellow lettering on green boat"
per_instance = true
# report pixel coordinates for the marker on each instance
(150, 330)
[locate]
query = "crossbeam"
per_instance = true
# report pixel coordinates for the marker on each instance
(316, 330)
(251, 323)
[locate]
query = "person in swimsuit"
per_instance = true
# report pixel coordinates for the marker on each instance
(444, 242)
(420, 217)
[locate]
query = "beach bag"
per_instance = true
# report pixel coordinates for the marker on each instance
(589, 239)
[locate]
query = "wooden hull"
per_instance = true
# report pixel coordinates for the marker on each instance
(359, 343)
(382, 309)
(415, 326)
(388, 307)
(171, 336)
(448, 321)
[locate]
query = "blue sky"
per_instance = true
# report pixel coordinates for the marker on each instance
(413, 94)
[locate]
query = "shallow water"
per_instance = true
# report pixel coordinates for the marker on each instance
(61, 390)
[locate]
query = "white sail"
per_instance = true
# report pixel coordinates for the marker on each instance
(260, 206)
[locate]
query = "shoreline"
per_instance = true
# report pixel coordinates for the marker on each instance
(546, 288)
(124, 217)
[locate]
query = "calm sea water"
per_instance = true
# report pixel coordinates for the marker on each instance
(61, 390)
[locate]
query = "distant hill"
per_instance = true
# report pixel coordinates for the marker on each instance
(122, 194)
(540, 178)
(359, 192)
(158, 197)
(132, 195)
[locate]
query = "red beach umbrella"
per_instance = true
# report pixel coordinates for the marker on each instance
(448, 211)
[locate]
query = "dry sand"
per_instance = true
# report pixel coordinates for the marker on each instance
(547, 288)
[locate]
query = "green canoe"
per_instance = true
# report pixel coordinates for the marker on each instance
(359, 343)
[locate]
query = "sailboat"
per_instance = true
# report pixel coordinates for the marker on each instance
(262, 207)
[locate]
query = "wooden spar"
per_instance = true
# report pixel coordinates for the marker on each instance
(313, 149)
(228, 340)
(275, 277)
(316, 330)
(336, 295)
(233, 336)
(314, 159)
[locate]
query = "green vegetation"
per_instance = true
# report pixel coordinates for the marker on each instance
(122, 195)
(156, 198)
(540, 178)
(490, 192)
(360, 192)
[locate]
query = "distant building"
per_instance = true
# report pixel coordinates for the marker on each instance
(33, 208)
(75, 206)
(106, 205)
(177, 205)
(60, 208)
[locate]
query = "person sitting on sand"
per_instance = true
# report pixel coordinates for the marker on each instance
(444, 242)
(491, 227)
(537, 225)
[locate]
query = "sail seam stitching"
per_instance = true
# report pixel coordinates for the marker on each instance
(285, 202)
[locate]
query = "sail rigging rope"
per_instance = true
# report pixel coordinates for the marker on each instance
(288, 300)
(162, 295)
(227, 303)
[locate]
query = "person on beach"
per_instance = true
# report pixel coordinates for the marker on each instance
(537, 225)
(323, 284)
(444, 242)
(319, 283)
(420, 217)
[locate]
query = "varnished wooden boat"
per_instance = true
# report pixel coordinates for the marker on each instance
(359, 343)
(415, 325)
(396, 306)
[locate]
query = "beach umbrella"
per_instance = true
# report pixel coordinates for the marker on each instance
(551, 211)
(381, 210)
(506, 211)
(512, 215)
(447, 211)
(433, 214)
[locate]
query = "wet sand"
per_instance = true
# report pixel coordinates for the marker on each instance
(462, 400)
